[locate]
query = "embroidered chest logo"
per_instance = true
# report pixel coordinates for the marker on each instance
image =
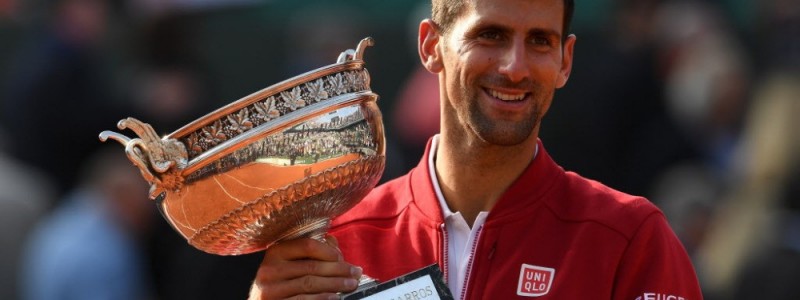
(535, 281)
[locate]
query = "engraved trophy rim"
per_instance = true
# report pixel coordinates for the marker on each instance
(350, 60)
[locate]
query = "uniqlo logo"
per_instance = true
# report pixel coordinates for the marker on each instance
(535, 281)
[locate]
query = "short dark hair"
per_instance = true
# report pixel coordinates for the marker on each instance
(445, 12)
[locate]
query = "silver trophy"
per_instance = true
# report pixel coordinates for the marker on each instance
(275, 165)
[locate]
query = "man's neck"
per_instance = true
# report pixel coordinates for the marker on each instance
(473, 175)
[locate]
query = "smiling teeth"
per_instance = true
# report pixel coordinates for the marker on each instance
(506, 97)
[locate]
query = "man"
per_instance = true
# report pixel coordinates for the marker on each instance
(486, 202)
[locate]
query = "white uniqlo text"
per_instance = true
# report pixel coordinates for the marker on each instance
(534, 281)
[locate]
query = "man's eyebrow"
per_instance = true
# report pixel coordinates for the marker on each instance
(538, 31)
(544, 32)
(488, 25)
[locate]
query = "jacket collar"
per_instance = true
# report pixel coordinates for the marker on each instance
(532, 185)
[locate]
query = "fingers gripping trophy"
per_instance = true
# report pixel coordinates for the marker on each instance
(276, 165)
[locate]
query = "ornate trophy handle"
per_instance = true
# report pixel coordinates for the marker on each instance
(159, 160)
(357, 54)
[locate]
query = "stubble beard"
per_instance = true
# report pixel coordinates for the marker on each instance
(504, 132)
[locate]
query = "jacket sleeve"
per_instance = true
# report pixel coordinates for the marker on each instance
(655, 266)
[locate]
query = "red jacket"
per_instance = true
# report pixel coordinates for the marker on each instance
(553, 234)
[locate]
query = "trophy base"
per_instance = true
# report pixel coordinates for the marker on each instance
(425, 283)
(364, 283)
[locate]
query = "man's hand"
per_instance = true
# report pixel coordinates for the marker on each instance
(304, 269)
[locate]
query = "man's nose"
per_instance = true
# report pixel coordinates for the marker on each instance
(514, 63)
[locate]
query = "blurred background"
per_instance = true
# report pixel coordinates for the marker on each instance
(693, 104)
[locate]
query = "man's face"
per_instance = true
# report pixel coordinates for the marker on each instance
(502, 61)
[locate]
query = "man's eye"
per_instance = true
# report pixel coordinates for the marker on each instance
(490, 35)
(540, 41)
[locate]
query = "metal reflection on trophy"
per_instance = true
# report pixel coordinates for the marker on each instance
(277, 164)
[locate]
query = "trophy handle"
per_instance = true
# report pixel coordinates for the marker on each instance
(362, 45)
(159, 160)
(357, 54)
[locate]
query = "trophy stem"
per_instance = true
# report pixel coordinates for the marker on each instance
(316, 230)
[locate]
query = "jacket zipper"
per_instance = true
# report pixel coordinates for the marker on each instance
(444, 249)
(465, 287)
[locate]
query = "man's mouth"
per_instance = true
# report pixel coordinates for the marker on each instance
(505, 96)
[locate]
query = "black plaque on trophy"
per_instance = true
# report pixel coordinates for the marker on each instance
(423, 284)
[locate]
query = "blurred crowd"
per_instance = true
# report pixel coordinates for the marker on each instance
(691, 103)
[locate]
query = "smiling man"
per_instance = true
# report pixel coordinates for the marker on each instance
(486, 202)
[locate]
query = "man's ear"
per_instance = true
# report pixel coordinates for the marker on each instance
(566, 60)
(429, 52)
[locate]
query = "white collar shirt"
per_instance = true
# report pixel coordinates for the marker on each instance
(461, 239)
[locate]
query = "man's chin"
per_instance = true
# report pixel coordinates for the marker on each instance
(500, 136)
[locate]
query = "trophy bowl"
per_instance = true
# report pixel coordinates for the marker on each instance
(275, 165)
